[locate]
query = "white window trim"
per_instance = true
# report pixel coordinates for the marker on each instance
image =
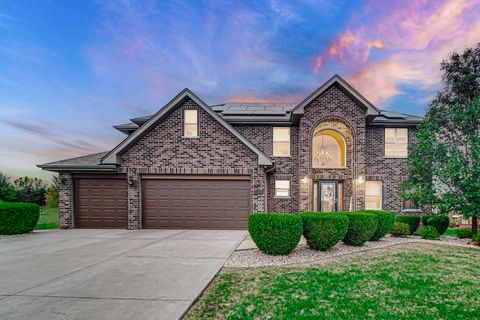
(189, 123)
(381, 195)
(289, 188)
(394, 144)
(289, 142)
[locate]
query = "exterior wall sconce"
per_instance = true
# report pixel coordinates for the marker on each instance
(132, 182)
(360, 180)
(304, 180)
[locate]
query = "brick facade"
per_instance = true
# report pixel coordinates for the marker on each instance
(164, 150)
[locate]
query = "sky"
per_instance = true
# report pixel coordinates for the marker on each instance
(69, 70)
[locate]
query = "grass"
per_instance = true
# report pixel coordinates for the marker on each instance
(48, 219)
(450, 232)
(422, 282)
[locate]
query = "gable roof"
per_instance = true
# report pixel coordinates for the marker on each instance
(347, 88)
(112, 156)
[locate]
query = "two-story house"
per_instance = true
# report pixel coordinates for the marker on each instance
(191, 165)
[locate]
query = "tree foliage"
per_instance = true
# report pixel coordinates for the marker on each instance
(444, 163)
(30, 190)
(53, 192)
(7, 191)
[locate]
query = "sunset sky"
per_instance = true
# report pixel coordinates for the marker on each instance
(69, 70)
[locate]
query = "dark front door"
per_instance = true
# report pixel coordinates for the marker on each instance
(328, 196)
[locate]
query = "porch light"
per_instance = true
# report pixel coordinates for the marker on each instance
(360, 180)
(304, 180)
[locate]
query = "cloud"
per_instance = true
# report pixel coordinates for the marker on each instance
(414, 37)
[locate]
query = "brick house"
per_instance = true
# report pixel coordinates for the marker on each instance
(191, 165)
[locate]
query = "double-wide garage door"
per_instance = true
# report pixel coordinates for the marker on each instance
(196, 203)
(101, 202)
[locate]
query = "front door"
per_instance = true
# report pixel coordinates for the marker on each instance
(328, 196)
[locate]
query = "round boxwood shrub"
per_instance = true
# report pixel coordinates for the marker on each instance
(463, 233)
(361, 227)
(385, 222)
(324, 230)
(429, 233)
(275, 233)
(412, 221)
(400, 229)
(18, 217)
(440, 223)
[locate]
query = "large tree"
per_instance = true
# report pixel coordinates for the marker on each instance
(444, 163)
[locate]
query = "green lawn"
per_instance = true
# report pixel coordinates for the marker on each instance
(422, 282)
(48, 219)
(450, 232)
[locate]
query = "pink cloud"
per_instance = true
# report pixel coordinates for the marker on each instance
(414, 36)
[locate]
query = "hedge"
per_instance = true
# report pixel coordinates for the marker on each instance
(385, 223)
(323, 230)
(361, 227)
(18, 217)
(412, 221)
(429, 233)
(463, 233)
(440, 223)
(400, 229)
(275, 233)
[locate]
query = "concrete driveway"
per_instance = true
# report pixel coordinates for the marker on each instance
(109, 274)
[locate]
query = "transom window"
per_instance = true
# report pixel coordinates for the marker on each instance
(190, 123)
(396, 142)
(328, 150)
(281, 142)
(373, 195)
(282, 188)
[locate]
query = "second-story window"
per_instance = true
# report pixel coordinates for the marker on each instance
(396, 142)
(281, 142)
(190, 123)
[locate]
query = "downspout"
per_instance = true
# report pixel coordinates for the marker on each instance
(272, 168)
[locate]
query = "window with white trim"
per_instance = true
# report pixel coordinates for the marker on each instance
(282, 188)
(396, 142)
(373, 195)
(190, 123)
(281, 141)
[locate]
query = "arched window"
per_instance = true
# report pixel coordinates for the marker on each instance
(328, 150)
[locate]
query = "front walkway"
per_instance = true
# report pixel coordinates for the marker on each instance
(109, 274)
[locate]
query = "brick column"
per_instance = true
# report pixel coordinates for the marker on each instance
(134, 200)
(65, 201)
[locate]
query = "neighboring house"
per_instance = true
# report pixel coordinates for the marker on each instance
(191, 165)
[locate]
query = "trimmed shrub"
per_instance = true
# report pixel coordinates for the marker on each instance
(412, 221)
(275, 233)
(476, 238)
(324, 230)
(440, 223)
(400, 229)
(18, 217)
(385, 222)
(361, 227)
(463, 233)
(429, 233)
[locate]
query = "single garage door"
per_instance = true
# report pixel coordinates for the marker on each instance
(200, 203)
(100, 203)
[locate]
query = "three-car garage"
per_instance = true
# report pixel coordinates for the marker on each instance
(167, 202)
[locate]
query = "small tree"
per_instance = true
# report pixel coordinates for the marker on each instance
(7, 192)
(30, 190)
(53, 193)
(444, 163)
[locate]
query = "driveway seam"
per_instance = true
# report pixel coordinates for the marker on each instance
(101, 298)
(92, 265)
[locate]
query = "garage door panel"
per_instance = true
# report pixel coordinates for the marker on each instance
(100, 203)
(196, 204)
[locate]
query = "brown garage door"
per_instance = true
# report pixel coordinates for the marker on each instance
(100, 203)
(196, 203)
